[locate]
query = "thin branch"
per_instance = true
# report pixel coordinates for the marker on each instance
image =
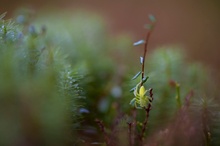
(134, 134)
(144, 56)
(102, 128)
(147, 116)
(129, 133)
(141, 84)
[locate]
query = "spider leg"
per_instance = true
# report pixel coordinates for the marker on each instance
(138, 97)
(136, 89)
(138, 101)
(145, 92)
(135, 105)
(139, 107)
(132, 102)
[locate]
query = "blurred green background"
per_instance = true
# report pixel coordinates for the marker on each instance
(65, 64)
(192, 24)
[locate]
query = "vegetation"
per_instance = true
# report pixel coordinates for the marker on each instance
(65, 81)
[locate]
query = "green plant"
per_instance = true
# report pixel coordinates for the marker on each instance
(39, 89)
(176, 86)
(61, 73)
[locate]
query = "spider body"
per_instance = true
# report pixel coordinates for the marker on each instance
(140, 100)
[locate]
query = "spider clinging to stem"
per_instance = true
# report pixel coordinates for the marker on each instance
(141, 100)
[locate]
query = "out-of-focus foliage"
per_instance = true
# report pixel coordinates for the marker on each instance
(97, 54)
(51, 64)
(169, 65)
(166, 67)
(103, 61)
(39, 88)
(52, 58)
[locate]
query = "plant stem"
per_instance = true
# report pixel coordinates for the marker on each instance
(179, 104)
(129, 133)
(102, 128)
(134, 114)
(147, 115)
(144, 56)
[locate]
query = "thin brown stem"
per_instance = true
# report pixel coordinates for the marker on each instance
(151, 93)
(144, 56)
(147, 116)
(141, 84)
(129, 133)
(133, 136)
(102, 128)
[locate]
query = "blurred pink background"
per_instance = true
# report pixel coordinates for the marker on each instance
(192, 24)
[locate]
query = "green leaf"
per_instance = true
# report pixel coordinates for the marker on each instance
(141, 60)
(139, 43)
(132, 90)
(137, 75)
(145, 79)
(152, 18)
(3, 15)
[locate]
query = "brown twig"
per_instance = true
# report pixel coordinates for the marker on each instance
(147, 116)
(130, 133)
(141, 84)
(102, 128)
(151, 93)
(133, 136)
(144, 56)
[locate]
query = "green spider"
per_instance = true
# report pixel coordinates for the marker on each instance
(140, 100)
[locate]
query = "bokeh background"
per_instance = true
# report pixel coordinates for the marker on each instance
(64, 64)
(191, 24)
